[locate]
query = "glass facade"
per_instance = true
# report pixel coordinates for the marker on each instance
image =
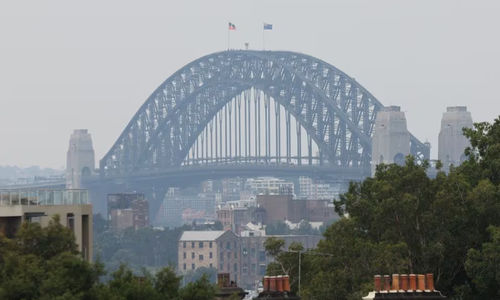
(43, 197)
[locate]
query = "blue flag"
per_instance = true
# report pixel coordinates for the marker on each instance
(268, 26)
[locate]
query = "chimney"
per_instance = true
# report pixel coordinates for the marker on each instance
(403, 282)
(413, 282)
(286, 283)
(265, 282)
(387, 283)
(377, 283)
(395, 282)
(430, 281)
(421, 282)
(279, 283)
(272, 283)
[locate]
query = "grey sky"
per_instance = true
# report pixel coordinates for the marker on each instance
(91, 64)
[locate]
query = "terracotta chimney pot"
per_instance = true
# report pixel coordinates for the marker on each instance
(413, 282)
(403, 282)
(279, 283)
(377, 283)
(286, 283)
(272, 283)
(387, 283)
(265, 282)
(421, 282)
(395, 281)
(429, 281)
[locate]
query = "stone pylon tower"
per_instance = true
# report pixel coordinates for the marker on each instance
(391, 139)
(80, 160)
(452, 142)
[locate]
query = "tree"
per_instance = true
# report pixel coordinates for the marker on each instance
(201, 289)
(483, 266)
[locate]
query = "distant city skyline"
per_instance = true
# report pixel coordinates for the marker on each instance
(93, 64)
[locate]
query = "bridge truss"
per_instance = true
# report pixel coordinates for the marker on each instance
(261, 108)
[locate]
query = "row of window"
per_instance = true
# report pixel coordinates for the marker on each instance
(200, 244)
(200, 257)
(210, 244)
(193, 266)
(228, 269)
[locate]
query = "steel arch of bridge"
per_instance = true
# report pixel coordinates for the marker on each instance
(336, 111)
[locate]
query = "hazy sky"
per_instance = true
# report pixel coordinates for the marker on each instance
(91, 64)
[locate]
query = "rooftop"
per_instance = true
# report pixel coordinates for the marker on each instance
(31, 197)
(201, 235)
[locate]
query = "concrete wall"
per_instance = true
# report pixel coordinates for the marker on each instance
(80, 160)
(391, 139)
(81, 214)
(452, 142)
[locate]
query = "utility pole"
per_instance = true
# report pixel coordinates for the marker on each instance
(300, 260)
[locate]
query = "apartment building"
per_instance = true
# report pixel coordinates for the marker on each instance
(210, 249)
(40, 206)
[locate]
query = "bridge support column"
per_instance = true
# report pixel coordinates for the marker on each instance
(391, 139)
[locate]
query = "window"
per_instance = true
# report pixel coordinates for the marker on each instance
(192, 266)
(262, 255)
(200, 244)
(184, 255)
(184, 266)
(211, 256)
(221, 267)
(221, 256)
(229, 255)
(200, 257)
(210, 244)
(192, 255)
(235, 255)
(252, 252)
(235, 267)
(228, 245)
(245, 269)
(252, 269)
(211, 266)
(262, 269)
(184, 245)
(192, 244)
(235, 245)
(245, 252)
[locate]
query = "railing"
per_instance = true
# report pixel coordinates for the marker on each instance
(43, 197)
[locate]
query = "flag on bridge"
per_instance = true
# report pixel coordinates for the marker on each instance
(268, 26)
(232, 26)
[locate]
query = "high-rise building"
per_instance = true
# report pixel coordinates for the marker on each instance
(80, 161)
(72, 206)
(452, 141)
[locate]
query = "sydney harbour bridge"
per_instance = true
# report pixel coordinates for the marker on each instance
(246, 113)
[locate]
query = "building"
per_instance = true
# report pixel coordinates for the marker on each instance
(128, 210)
(179, 208)
(284, 207)
(309, 189)
(234, 218)
(244, 257)
(270, 186)
(210, 249)
(72, 206)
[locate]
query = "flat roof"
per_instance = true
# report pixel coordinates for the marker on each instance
(201, 235)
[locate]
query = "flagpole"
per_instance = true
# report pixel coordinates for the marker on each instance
(263, 40)
(228, 32)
